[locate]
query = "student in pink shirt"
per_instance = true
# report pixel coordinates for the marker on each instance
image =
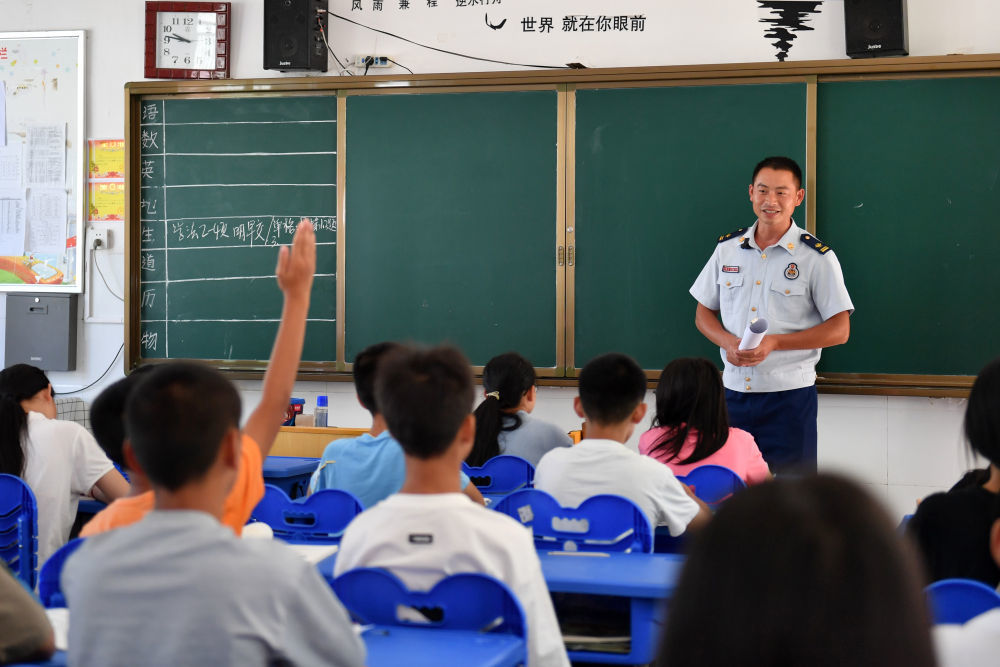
(691, 425)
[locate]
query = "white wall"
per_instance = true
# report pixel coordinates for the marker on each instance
(903, 448)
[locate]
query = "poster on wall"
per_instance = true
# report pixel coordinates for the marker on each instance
(105, 180)
(468, 35)
(42, 154)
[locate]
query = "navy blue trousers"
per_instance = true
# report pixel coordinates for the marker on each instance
(782, 422)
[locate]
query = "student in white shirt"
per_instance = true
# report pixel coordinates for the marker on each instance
(429, 529)
(612, 387)
(59, 460)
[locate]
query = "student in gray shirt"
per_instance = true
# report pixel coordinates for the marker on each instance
(178, 588)
(503, 422)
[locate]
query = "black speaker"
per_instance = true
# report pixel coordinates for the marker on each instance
(875, 28)
(292, 37)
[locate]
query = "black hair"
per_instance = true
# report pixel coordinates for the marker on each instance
(982, 413)
(778, 163)
(366, 366)
(611, 386)
(424, 395)
(17, 383)
(689, 396)
(107, 414)
(506, 379)
(800, 571)
(176, 418)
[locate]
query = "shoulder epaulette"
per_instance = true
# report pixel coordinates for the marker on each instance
(811, 241)
(726, 237)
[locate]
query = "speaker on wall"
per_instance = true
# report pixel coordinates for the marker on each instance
(292, 37)
(875, 28)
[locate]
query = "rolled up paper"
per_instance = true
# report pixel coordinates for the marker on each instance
(754, 334)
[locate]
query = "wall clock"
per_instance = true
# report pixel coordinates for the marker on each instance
(187, 40)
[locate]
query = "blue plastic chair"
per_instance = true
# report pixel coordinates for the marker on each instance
(321, 518)
(602, 523)
(713, 484)
(49, 585)
(501, 474)
(958, 600)
(466, 601)
(19, 528)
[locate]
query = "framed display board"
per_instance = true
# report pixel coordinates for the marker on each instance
(42, 155)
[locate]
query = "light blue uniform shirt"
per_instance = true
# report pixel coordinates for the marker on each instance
(795, 284)
(372, 468)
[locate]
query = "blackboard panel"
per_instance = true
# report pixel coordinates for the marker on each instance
(241, 299)
(251, 201)
(451, 222)
(255, 261)
(909, 193)
(205, 171)
(224, 182)
(206, 340)
(268, 137)
(661, 173)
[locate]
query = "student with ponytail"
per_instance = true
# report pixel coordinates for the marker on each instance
(503, 421)
(59, 460)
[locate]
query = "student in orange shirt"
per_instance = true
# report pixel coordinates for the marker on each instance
(296, 266)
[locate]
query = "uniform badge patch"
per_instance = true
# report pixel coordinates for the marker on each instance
(726, 268)
(792, 271)
(421, 538)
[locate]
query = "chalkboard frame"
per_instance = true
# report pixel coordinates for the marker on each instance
(831, 70)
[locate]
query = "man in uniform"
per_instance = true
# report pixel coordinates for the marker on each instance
(776, 270)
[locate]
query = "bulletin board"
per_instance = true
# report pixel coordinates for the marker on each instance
(42, 155)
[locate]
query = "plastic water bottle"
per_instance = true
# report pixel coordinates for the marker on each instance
(321, 411)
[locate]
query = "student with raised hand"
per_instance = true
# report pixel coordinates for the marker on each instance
(803, 572)
(294, 272)
(58, 459)
(372, 466)
(178, 587)
(953, 528)
(503, 421)
(429, 529)
(612, 387)
(691, 424)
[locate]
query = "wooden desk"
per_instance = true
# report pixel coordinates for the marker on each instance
(391, 646)
(310, 441)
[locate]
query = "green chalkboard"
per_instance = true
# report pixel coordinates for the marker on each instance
(661, 173)
(224, 181)
(909, 196)
(451, 222)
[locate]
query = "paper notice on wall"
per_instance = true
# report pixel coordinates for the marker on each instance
(10, 166)
(45, 157)
(3, 114)
(46, 220)
(11, 226)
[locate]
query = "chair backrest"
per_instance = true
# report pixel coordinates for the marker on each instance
(321, 517)
(19, 528)
(958, 600)
(501, 474)
(49, 585)
(466, 601)
(713, 484)
(602, 523)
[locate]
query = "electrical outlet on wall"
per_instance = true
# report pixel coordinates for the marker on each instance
(372, 61)
(98, 238)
